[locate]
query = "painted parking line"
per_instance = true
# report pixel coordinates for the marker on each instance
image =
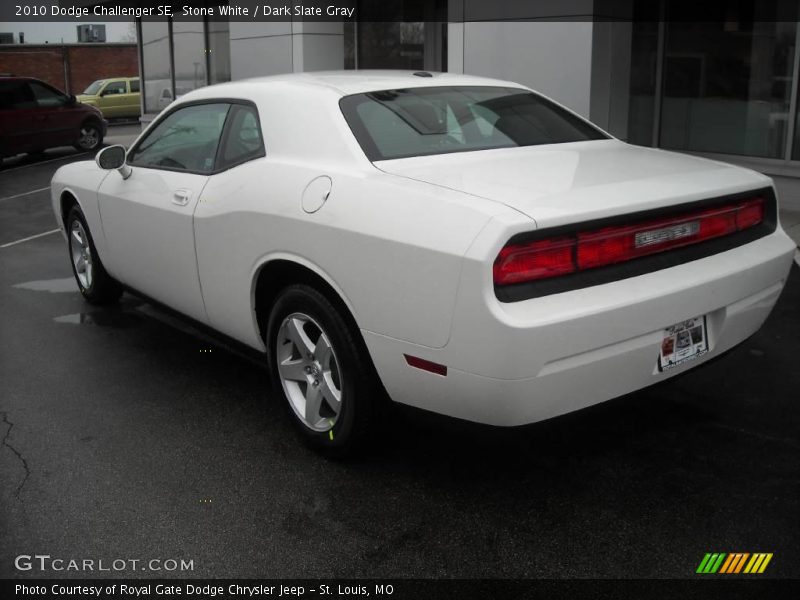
(29, 238)
(41, 162)
(25, 194)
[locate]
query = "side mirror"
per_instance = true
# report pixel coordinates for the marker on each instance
(71, 100)
(113, 157)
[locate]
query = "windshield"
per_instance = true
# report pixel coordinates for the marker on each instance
(94, 88)
(439, 120)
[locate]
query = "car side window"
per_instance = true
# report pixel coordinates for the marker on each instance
(185, 140)
(47, 97)
(243, 140)
(16, 95)
(115, 87)
(134, 86)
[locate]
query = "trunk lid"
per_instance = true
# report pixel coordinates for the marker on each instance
(560, 184)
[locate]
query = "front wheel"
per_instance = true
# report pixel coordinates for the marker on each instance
(319, 368)
(97, 286)
(90, 136)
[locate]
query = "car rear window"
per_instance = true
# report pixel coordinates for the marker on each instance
(438, 120)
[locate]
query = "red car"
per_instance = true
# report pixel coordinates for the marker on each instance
(35, 116)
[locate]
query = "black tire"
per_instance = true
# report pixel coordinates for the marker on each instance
(101, 288)
(360, 391)
(90, 136)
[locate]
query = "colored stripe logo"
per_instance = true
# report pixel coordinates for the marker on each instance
(734, 562)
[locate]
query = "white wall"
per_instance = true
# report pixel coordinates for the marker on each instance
(554, 58)
(611, 76)
(284, 47)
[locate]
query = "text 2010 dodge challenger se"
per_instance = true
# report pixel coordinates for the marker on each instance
(466, 244)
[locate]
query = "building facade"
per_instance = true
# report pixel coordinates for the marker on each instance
(69, 67)
(657, 73)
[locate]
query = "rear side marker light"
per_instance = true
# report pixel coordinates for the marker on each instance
(543, 259)
(425, 365)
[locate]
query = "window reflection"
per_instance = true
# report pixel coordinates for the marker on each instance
(188, 41)
(644, 57)
(726, 83)
(219, 52)
(157, 74)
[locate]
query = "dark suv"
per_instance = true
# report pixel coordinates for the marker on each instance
(35, 116)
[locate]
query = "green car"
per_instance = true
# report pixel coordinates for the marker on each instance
(116, 98)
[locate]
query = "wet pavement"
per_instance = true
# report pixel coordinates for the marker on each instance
(128, 434)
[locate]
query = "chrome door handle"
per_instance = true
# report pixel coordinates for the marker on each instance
(181, 197)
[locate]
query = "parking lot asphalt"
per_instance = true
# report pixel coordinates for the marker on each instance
(127, 434)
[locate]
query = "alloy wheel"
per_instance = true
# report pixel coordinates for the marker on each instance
(81, 254)
(89, 137)
(309, 372)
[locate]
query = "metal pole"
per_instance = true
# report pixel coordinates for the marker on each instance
(65, 60)
(659, 91)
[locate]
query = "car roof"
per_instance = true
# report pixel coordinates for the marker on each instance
(18, 78)
(309, 102)
(344, 83)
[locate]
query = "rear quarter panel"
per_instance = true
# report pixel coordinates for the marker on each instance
(392, 248)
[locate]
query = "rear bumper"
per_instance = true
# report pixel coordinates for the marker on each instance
(521, 362)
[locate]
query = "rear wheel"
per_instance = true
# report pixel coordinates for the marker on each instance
(97, 286)
(317, 365)
(90, 136)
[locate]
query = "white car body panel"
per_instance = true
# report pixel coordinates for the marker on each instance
(596, 179)
(152, 235)
(408, 245)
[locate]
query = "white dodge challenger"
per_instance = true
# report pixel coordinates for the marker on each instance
(464, 244)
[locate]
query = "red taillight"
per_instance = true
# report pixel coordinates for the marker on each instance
(536, 260)
(543, 259)
(750, 214)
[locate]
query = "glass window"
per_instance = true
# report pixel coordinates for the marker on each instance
(134, 86)
(186, 140)
(727, 82)
(47, 97)
(16, 95)
(115, 87)
(156, 71)
(243, 140)
(397, 45)
(644, 58)
(189, 47)
(94, 87)
(438, 120)
(219, 52)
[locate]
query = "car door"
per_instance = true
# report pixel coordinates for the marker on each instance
(148, 218)
(133, 106)
(114, 98)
